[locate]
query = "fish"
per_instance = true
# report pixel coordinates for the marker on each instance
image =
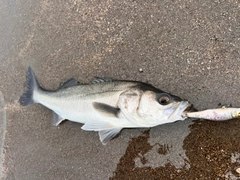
(106, 105)
(219, 114)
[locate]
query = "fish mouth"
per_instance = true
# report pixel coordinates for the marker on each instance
(178, 113)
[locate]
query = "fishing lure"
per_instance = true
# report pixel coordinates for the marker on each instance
(220, 114)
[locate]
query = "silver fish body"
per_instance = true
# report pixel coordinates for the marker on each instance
(106, 105)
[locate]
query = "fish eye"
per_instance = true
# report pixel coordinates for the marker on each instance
(164, 100)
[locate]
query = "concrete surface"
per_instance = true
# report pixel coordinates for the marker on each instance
(188, 48)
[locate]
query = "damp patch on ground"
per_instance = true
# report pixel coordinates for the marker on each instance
(212, 150)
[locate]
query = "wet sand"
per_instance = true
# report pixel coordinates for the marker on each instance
(211, 154)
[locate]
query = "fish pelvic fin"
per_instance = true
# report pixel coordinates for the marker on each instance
(31, 85)
(107, 131)
(56, 119)
(97, 126)
(107, 135)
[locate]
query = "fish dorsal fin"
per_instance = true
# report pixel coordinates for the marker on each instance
(106, 109)
(101, 80)
(69, 83)
(57, 119)
(106, 135)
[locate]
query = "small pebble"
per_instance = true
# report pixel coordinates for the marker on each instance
(238, 170)
(140, 70)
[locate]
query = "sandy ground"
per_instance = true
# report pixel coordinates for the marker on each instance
(188, 48)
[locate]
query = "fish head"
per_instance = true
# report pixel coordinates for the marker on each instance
(157, 108)
(146, 106)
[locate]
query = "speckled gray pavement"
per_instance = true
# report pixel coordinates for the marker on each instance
(188, 48)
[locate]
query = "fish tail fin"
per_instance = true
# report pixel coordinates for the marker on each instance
(31, 85)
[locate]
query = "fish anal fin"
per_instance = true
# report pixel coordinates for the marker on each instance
(69, 83)
(106, 109)
(106, 135)
(57, 119)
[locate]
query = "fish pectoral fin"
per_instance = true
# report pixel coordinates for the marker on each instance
(57, 119)
(106, 110)
(69, 83)
(106, 135)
